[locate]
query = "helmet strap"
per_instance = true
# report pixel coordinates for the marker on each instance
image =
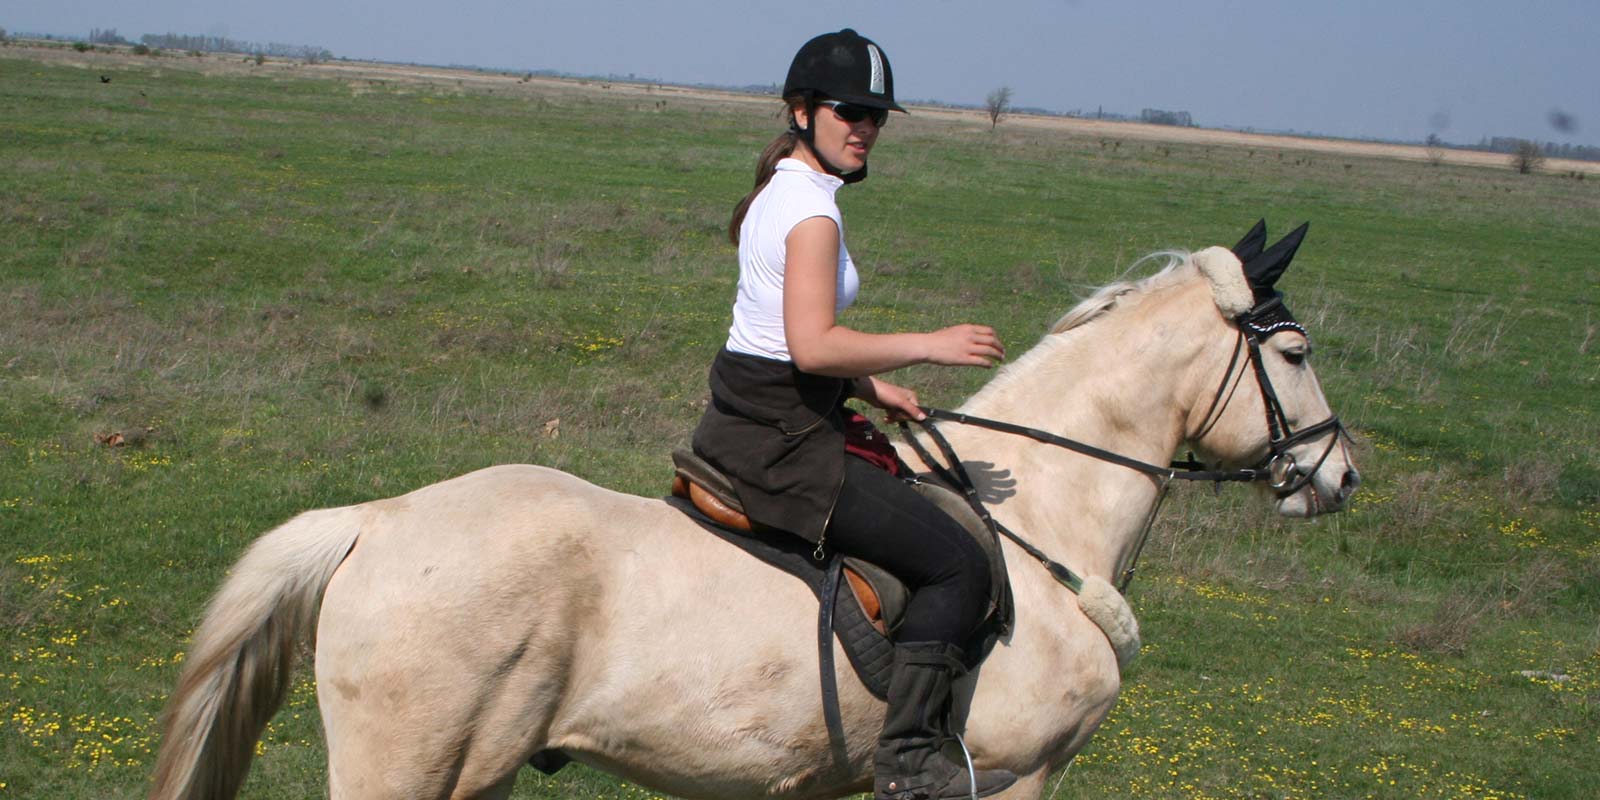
(809, 137)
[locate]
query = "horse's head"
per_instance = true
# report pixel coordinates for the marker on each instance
(1267, 409)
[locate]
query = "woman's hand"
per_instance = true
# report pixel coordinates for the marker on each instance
(900, 402)
(965, 346)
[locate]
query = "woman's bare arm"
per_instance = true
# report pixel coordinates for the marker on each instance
(821, 346)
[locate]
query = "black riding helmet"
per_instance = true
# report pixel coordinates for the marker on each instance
(843, 66)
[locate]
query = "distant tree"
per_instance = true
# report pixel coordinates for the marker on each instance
(998, 103)
(1435, 149)
(4, 39)
(107, 36)
(1527, 157)
(1156, 116)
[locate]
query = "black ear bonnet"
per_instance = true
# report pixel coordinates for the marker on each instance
(1262, 267)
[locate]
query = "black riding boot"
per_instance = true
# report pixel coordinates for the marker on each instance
(909, 764)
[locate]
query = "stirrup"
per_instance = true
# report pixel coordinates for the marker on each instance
(972, 772)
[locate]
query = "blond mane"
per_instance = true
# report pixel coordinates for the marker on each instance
(1100, 303)
(1217, 265)
(1105, 298)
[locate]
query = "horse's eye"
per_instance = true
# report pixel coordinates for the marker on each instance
(1295, 357)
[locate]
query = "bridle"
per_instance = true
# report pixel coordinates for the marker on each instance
(1277, 468)
(1283, 475)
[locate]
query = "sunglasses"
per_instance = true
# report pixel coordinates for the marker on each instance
(853, 113)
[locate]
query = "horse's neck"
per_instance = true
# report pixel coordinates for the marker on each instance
(1118, 383)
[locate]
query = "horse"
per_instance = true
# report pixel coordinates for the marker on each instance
(473, 624)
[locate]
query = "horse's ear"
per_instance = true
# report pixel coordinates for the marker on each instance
(1264, 270)
(1250, 246)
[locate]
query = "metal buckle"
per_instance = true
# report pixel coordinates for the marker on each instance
(1282, 470)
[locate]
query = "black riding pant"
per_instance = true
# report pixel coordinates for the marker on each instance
(878, 518)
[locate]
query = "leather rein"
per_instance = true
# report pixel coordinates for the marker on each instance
(1278, 467)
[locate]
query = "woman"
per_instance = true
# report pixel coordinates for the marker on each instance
(775, 424)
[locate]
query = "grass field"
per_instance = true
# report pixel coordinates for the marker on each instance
(229, 297)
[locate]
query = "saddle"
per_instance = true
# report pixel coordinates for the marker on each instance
(865, 617)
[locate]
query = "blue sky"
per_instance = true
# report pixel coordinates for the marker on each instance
(1355, 68)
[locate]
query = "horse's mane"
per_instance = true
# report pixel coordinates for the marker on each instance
(1175, 267)
(1105, 298)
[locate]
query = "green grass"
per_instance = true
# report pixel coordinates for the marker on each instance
(288, 292)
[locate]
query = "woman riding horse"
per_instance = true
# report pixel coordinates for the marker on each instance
(775, 424)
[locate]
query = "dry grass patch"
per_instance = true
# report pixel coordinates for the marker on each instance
(1451, 627)
(1420, 501)
(1528, 589)
(1533, 478)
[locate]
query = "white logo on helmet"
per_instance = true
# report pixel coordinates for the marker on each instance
(876, 84)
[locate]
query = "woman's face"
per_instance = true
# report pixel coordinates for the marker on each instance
(843, 144)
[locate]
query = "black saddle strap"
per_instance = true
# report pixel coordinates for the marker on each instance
(830, 681)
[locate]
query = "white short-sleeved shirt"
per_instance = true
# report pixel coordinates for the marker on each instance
(795, 193)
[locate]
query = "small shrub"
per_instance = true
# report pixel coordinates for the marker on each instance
(82, 47)
(1527, 157)
(141, 49)
(1434, 148)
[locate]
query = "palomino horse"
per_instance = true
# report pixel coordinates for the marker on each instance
(468, 625)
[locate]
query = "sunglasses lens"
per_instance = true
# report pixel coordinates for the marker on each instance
(853, 113)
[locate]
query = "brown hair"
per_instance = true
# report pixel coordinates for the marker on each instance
(776, 150)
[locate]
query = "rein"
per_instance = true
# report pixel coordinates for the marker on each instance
(1278, 468)
(956, 475)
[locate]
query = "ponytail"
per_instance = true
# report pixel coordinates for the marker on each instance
(766, 166)
(777, 150)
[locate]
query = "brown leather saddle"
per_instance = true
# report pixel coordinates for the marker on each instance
(879, 595)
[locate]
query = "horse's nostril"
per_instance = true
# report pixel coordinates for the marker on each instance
(1347, 487)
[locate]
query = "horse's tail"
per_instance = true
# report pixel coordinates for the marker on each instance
(237, 671)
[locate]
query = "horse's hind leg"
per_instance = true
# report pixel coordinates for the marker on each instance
(414, 738)
(433, 692)
(384, 781)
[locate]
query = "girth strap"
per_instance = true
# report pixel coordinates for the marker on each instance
(830, 682)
